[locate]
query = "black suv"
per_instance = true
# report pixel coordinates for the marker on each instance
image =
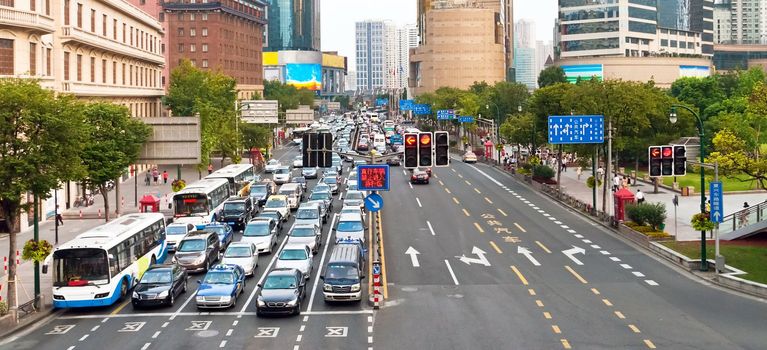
(237, 211)
(160, 284)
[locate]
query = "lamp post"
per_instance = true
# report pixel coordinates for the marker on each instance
(673, 118)
(497, 127)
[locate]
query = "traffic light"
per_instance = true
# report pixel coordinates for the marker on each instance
(441, 148)
(655, 157)
(324, 150)
(411, 151)
(680, 160)
(305, 153)
(667, 161)
(425, 150)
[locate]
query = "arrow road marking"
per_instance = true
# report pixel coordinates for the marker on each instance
(481, 259)
(528, 254)
(373, 203)
(572, 251)
(413, 256)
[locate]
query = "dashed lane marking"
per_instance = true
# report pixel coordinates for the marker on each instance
(452, 274)
(479, 228)
(634, 328)
(456, 200)
(651, 282)
(502, 212)
(547, 315)
(539, 303)
(615, 258)
(95, 328)
(595, 291)
(556, 329)
(476, 190)
(419, 202)
(146, 346)
(488, 200)
(607, 302)
(565, 344)
(447, 190)
(84, 337)
(519, 227)
(543, 247)
(431, 229)
(441, 183)
(649, 344)
(156, 334)
(467, 182)
(521, 278)
(531, 291)
(626, 266)
(466, 212)
(577, 276)
(637, 273)
(595, 246)
(496, 247)
(620, 315)
(223, 344)
(604, 252)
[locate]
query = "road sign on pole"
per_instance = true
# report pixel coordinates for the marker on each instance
(465, 119)
(717, 205)
(374, 202)
(373, 177)
(445, 114)
(405, 105)
(421, 109)
(396, 139)
(576, 129)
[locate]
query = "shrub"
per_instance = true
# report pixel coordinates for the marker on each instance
(643, 229)
(652, 214)
(543, 171)
(178, 185)
(590, 182)
(701, 222)
(3, 308)
(523, 171)
(36, 250)
(658, 235)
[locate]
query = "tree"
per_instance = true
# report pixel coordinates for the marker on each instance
(113, 143)
(41, 138)
(255, 136)
(343, 100)
(698, 92)
(288, 96)
(551, 75)
(734, 158)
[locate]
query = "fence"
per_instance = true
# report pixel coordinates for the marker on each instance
(743, 218)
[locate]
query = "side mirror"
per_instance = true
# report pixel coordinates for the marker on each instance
(322, 277)
(260, 285)
(199, 282)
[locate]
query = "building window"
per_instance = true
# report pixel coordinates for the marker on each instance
(123, 74)
(47, 7)
(204, 31)
(124, 33)
(192, 32)
(192, 48)
(32, 5)
(204, 47)
(104, 25)
(194, 63)
(180, 16)
(204, 16)
(32, 59)
(104, 71)
(180, 31)
(66, 65)
(93, 21)
(130, 75)
(162, 17)
(48, 53)
(79, 67)
(180, 48)
(79, 15)
(93, 69)
(191, 16)
(114, 72)
(204, 63)
(131, 35)
(663, 42)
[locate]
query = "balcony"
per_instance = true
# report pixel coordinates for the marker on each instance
(12, 17)
(78, 35)
(80, 88)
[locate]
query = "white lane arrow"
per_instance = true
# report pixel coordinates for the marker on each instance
(716, 216)
(572, 251)
(528, 254)
(375, 204)
(481, 259)
(413, 256)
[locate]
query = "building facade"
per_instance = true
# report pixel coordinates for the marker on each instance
(407, 38)
(663, 71)
(525, 67)
(322, 72)
(226, 35)
(741, 22)
(293, 25)
(370, 40)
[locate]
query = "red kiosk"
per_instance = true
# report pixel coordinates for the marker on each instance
(622, 198)
(149, 203)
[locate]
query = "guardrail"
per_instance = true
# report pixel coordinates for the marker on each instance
(743, 218)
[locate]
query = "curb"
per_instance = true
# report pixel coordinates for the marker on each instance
(38, 318)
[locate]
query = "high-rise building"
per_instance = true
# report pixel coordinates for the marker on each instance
(391, 56)
(741, 22)
(407, 38)
(525, 66)
(293, 25)
(370, 38)
(524, 33)
(226, 35)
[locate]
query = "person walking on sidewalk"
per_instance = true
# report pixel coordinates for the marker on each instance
(617, 181)
(640, 197)
(148, 180)
(210, 168)
(59, 218)
(156, 175)
(165, 176)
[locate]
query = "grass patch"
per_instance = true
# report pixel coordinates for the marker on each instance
(747, 258)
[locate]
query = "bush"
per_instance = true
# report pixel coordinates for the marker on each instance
(543, 171)
(590, 182)
(643, 229)
(36, 250)
(658, 235)
(3, 308)
(652, 214)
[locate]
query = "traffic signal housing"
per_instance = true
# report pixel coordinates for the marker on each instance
(325, 150)
(654, 153)
(305, 152)
(441, 149)
(425, 150)
(667, 161)
(411, 150)
(680, 160)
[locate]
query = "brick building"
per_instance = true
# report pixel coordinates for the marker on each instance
(226, 35)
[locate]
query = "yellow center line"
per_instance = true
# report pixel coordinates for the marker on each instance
(556, 329)
(649, 344)
(479, 228)
(547, 315)
(620, 315)
(456, 200)
(502, 212)
(607, 302)
(441, 183)
(539, 303)
(448, 190)
(565, 343)
(466, 212)
(531, 291)
(383, 257)
(634, 328)
(119, 308)
(519, 227)
(467, 182)
(488, 200)
(576, 274)
(522, 278)
(595, 291)
(543, 247)
(476, 190)
(496, 247)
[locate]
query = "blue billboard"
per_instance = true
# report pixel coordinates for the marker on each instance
(304, 75)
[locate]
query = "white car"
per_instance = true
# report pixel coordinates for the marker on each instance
(272, 165)
(296, 256)
(308, 235)
(298, 162)
(261, 232)
(469, 157)
(244, 254)
(278, 203)
(175, 232)
(281, 175)
(354, 199)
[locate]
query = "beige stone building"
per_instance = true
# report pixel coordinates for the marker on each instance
(662, 70)
(460, 46)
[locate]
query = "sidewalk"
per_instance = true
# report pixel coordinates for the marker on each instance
(688, 206)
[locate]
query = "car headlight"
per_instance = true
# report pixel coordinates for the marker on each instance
(226, 299)
(199, 298)
(293, 302)
(260, 302)
(326, 287)
(355, 287)
(163, 294)
(135, 295)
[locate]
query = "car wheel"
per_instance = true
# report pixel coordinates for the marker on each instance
(207, 265)
(123, 290)
(298, 308)
(171, 299)
(183, 289)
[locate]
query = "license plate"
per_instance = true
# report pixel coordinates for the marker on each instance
(231, 223)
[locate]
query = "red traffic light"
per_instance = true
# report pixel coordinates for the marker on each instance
(668, 152)
(410, 140)
(425, 139)
(654, 152)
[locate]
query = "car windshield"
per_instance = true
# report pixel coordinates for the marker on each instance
(273, 162)
(280, 282)
(302, 232)
(175, 230)
(276, 203)
(219, 230)
(257, 230)
(191, 245)
(270, 215)
(330, 180)
(299, 179)
(341, 272)
(238, 252)
(216, 277)
(354, 195)
(80, 266)
(350, 226)
(319, 195)
(258, 190)
(282, 171)
(307, 214)
(234, 207)
(293, 254)
(156, 277)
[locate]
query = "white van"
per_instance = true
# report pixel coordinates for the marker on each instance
(350, 227)
(379, 141)
(294, 192)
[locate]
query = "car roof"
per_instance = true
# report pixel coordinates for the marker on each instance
(295, 246)
(278, 196)
(261, 220)
(309, 204)
(240, 244)
(160, 267)
(199, 234)
(224, 267)
(350, 217)
(236, 199)
(312, 226)
(283, 272)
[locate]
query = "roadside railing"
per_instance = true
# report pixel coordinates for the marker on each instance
(743, 218)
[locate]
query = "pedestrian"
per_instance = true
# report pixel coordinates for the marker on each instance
(617, 181)
(640, 196)
(745, 205)
(564, 167)
(579, 171)
(148, 180)
(210, 168)
(165, 176)
(59, 218)
(600, 172)
(708, 206)
(156, 175)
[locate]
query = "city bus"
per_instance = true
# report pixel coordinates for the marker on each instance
(238, 175)
(199, 202)
(99, 266)
(298, 134)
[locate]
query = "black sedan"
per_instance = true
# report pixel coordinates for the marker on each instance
(393, 161)
(281, 293)
(160, 285)
(419, 177)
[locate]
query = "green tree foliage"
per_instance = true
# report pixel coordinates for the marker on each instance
(113, 142)
(288, 96)
(42, 138)
(255, 136)
(698, 92)
(343, 100)
(551, 75)
(518, 128)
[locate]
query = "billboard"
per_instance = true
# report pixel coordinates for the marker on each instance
(694, 71)
(304, 75)
(174, 140)
(583, 71)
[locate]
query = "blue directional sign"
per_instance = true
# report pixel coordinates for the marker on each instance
(376, 269)
(373, 177)
(575, 129)
(374, 202)
(421, 109)
(717, 204)
(465, 119)
(405, 105)
(382, 101)
(445, 114)
(396, 139)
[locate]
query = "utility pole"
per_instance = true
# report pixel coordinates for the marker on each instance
(36, 203)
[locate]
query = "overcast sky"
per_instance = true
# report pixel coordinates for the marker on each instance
(338, 18)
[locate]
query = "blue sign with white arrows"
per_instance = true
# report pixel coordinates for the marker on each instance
(445, 114)
(396, 139)
(465, 119)
(576, 129)
(374, 202)
(717, 203)
(421, 109)
(405, 105)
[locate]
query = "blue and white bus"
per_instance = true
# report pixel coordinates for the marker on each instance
(99, 266)
(198, 203)
(238, 175)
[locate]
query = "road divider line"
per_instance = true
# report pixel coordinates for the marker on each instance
(419, 202)
(607, 302)
(649, 344)
(620, 315)
(431, 229)
(496, 247)
(531, 291)
(452, 274)
(502, 212)
(556, 329)
(322, 263)
(519, 227)
(461, 176)
(565, 344)
(576, 274)
(539, 303)
(547, 315)
(122, 306)
(383, 256)
(479, 228)
(466, 212)
(543, 247)
(634, 328)
(441, 183)
(476, 190)
(448, 190)
(488, 200)
(456, 200)
(595, 291)
(521, 278)
(467, 182)
(410, 184)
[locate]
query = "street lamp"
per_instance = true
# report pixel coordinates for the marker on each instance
(672, 117)
(497, 127)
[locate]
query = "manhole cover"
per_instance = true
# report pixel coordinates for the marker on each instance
(206, 334)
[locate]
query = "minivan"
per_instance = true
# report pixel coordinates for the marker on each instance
(294, 192)
(344, 274)
(350, 226)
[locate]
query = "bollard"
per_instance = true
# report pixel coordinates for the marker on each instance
(81, 213)
(18, 260)
(99, 213)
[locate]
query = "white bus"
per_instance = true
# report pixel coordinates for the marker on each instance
(99, 266)
(199, 202)
(238, 175)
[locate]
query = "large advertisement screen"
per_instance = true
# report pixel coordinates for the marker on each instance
(694, 71)
(583, 71)
(304, 75)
